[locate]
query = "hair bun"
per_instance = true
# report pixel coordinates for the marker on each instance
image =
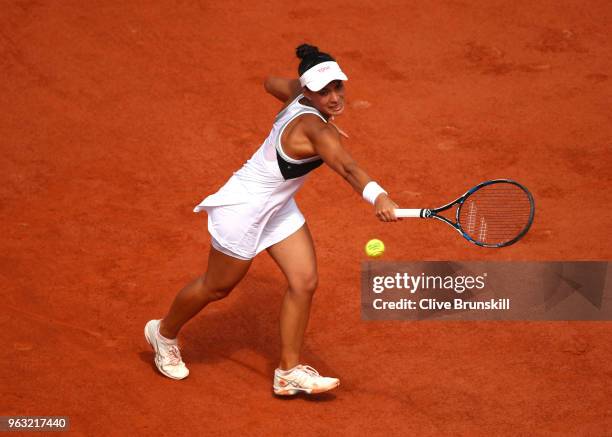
(306, 50)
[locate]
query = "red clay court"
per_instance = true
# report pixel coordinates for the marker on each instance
(119, 117)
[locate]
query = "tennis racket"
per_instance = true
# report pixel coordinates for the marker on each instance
(495, 213)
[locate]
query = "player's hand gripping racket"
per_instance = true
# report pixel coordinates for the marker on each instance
(495, 213)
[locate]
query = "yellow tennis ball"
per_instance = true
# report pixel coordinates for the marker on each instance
(374, 248)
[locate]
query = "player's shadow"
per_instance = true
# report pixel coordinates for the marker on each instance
(319, 397)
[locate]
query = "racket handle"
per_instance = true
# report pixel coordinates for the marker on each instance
(400, 213)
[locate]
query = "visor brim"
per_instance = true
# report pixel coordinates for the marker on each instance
(323, 80)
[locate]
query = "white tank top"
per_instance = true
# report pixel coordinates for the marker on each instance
(261, 178)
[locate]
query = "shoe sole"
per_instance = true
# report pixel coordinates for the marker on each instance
(293, 391)
(146, 334)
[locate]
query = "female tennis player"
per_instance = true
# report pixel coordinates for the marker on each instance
(255, 211)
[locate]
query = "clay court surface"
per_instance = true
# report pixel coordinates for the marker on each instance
(119, 117)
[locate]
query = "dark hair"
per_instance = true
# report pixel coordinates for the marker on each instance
(310, 56)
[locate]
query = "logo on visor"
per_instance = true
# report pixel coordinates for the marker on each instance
(322, 69)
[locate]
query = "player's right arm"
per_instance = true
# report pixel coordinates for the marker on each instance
(326, 142)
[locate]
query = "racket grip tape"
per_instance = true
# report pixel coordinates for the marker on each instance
(402, 212)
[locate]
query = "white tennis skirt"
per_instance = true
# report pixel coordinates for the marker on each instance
(242, 230)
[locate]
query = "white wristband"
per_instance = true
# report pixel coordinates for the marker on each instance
(371, 191)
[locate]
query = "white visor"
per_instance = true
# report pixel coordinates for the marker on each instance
(321, 74)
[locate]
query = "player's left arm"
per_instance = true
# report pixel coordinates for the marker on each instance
(326, 141)
(283, 89)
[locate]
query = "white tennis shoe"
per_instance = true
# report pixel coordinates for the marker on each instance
(167, 355)
(302, 379)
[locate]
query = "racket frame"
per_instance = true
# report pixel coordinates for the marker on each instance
(433, 213)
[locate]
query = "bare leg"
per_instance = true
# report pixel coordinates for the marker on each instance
(296, 258)
(222, 275)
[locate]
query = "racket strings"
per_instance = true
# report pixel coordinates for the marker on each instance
(496, 213)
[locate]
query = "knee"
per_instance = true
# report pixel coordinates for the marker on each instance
(304, 284)
(215, 291)
(219, 293)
